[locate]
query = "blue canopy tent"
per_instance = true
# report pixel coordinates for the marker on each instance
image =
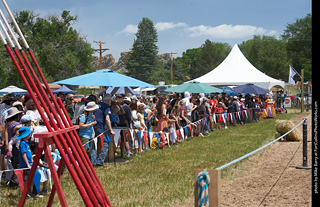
(64, 89)
(13, 89)
(104, 77)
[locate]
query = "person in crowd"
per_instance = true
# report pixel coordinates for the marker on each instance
(162, 113)
(135, 125)
(86, 123)
(79, 106)
(33, 112)
(19, 106)
(187, 106)
(270, 106)
(62, 96)
(69, 105)
(143, 127)
(173, 126)
(103, 123)
(25, 155)
(125, 121)
(242, 104)
(155, 101)
(220, 107)
(43, 166)
(12, 125)
(114, 117)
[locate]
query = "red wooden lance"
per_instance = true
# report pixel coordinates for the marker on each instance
(84, 164)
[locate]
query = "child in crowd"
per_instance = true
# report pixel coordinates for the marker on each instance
(114, 117)
(25, 155)
(155, 144)
(43, 166)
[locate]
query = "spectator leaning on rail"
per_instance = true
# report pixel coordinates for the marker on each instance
(102, 116)
(86, 122)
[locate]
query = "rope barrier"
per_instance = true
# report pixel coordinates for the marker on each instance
(203, 183)
(259, 149)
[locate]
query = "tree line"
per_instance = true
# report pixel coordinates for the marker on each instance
(62, 52)
(269, 54)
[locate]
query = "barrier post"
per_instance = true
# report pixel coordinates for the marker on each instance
(305, 147)
(214, 188)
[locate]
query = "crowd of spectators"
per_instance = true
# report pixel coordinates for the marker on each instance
(101, 115)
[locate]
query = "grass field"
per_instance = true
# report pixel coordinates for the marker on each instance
(165, 177)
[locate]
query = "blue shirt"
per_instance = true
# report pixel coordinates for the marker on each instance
(113, 118)
(86, 132)
(100, 115)
(24, 147)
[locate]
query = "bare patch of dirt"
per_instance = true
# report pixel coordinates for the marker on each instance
(273, 179)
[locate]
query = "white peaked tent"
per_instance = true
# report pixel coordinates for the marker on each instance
(237, 70)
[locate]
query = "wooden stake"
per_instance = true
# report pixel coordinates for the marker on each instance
(214, 187)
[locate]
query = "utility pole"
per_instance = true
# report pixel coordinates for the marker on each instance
(100, 51)
(100, 58)
(172, 66)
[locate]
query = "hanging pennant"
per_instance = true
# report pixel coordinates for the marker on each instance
(186, 132)
(181, 132)
(145, 136)
(139, 136)
(95, 141)
(178, 134)
(19, 174)
(167, 136)
(102, 141)
(151, 137)
(116, 136)
(157, 135)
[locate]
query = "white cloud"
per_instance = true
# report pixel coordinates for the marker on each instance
(229, 31)
(160, 26)
(130, 29)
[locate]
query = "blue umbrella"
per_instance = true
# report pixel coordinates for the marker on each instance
(104, 77)
(121, 90)
(64, 89)
(250, 88)
(229, 90)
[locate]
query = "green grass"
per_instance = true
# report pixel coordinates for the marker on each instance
(165, 177)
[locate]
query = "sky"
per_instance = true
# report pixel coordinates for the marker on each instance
(181, 24)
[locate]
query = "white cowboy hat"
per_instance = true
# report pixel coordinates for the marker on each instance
(91, 106)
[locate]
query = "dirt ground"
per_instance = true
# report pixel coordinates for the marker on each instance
(271, 177)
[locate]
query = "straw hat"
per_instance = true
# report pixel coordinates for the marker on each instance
(91, 106)
(12, 112)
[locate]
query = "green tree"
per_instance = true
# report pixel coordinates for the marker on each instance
(190, 62)
(199, 61)
(143, 60)
(268, 54)
(212, 54)
(298, 38)
(164, 74)
(8, 73)
(59, 49)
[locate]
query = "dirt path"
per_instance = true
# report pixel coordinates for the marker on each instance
(272, 178)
